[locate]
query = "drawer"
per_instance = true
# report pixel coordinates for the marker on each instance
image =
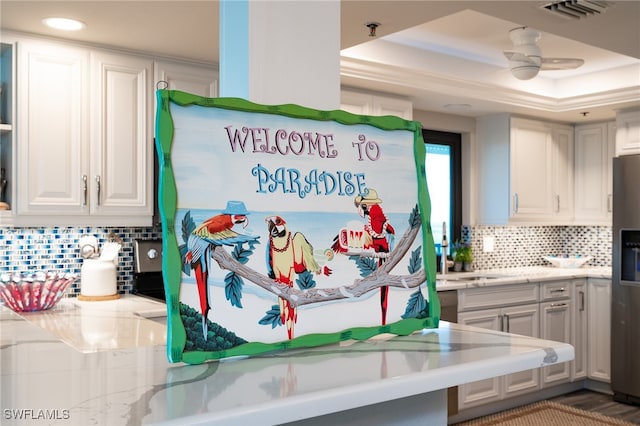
(470, 299)
(553, 290)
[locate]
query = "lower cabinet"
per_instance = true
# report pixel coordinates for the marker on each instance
(599, 329)
(555, 324)
(579, 336)
(575, 311)
(520, 319)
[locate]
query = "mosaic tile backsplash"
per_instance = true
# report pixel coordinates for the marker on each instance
(56, 248)
(31, 249)
(520, 246)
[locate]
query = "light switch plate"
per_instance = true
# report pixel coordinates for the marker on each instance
(487, 244)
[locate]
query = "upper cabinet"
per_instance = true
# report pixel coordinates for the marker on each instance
(367, 104)
(594, 151)
(525, 171)
(628, 132)
(7, 144)
(84, 150)
(195, 79)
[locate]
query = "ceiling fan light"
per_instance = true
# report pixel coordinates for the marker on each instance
(526, 72)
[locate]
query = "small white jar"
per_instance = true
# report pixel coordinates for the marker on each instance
(98, 278)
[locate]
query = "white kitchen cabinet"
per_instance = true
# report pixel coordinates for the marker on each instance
(85, 145)
(7, 134)
(525, 171)
(191, 78)
(599, 329)
(555, 324)
(628, 132)
(579, 333)
(368, 104)
(509, 308)
(594, 151)
(562, 173)
(524, 320)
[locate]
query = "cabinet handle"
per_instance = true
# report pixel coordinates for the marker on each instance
(581, 300)
(558, 305)
(609, 203)
(557, 204)
(558, 290)
(515, 202)
(98, 189)
(84, 190)
(506, 318)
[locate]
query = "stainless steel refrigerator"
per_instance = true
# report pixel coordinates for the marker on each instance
(625, 291)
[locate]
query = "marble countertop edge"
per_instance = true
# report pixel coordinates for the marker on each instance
(504, 276)
(343, 398)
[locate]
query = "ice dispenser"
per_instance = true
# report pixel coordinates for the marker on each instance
(630, 255)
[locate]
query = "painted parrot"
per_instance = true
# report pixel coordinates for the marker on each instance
(222, 229)
(288, 254)
(381, 232)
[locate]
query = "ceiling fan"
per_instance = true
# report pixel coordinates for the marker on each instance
(526, 60)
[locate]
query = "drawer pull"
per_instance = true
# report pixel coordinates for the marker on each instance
(558, 290)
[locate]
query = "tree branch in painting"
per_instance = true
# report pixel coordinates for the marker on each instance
(296, 297)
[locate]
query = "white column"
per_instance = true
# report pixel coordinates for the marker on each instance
(281, 52)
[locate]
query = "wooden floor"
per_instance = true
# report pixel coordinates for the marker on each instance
(600, 403)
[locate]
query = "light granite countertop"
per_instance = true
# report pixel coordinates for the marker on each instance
(105, 363)
(492, 277)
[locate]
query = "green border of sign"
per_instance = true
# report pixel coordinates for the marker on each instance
(171, 264)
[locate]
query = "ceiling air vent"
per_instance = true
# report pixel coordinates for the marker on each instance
(577, 9)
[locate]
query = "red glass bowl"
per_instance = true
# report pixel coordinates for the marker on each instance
(29, 292)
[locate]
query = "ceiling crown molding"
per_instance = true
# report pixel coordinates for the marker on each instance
(410, 80)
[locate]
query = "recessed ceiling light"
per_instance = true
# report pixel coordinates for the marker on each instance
(64, 24)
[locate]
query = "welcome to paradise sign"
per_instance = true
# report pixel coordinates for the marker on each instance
(287, 227)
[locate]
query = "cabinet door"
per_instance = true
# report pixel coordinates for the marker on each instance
(579, 329)
(562, 173)
(593, 187)
(390, 106)
(356, 103)
(531, 169)
(599, 329)
(524, 320)
(628, 132)
(482, 391)
(555, 324)
(121, 177)
(199, 80)
(367, 104)
(53, 138)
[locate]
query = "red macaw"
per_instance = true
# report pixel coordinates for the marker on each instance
(381, 232)
(215, 231)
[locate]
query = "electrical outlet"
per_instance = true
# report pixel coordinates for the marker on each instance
(487, 244)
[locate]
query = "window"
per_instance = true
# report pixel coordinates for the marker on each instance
(443, 171)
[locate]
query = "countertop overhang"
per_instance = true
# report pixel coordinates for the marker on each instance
(137, 385)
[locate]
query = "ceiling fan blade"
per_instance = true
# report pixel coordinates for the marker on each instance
(550, 64)
(518, 56)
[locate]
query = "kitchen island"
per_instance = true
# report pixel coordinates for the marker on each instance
(49, 377)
